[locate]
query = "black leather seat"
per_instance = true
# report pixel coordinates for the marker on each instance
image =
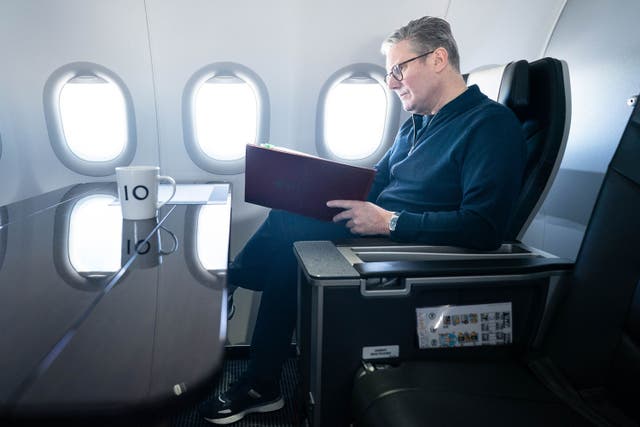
(588, 369)
(419, 394)
(545, 122)
(539, 94)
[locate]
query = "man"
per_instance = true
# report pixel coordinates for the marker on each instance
(450, 178)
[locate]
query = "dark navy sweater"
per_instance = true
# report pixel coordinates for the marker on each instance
(454, 176)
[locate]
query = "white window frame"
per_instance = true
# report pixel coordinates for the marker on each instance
(230, 69)
(392, 117)
(53, 117)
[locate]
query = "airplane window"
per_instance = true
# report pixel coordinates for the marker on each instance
(85, 255)
(354, 118)
(224, 106)
(213, 228)
(358, 115)
(226, 117)
(90, 118)
(93, 118)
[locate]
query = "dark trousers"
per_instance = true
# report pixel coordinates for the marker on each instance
(267, 263)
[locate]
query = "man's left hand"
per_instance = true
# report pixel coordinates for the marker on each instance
(363, 218)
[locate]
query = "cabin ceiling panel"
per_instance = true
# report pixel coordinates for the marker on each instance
(334, 31)
(500, 31)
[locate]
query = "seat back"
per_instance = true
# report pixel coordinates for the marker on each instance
(539, 95)
(595, 338)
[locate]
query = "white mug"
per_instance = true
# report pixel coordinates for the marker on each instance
(138, 191)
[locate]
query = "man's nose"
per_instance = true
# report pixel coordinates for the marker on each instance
(393, 83)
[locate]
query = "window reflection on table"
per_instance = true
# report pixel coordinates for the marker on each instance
(95, 234)
(213, 228)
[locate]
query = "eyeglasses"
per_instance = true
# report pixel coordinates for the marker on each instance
(396, 70)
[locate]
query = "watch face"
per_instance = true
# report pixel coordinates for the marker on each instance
(392, 222)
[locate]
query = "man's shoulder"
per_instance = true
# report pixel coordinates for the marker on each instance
(490, 110)
(492, 123)
(489, 106)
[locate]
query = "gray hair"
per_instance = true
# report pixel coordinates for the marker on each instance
(425, 34)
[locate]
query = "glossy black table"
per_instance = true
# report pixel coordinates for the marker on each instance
(109, 319)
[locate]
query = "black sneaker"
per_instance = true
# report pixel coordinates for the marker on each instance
(240, 399)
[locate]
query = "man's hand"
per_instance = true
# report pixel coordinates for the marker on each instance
(363, 218)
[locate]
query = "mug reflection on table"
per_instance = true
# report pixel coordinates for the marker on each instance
(143, 239)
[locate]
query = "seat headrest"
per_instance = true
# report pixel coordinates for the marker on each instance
(488, 78)
(507, 84)
(514, 88)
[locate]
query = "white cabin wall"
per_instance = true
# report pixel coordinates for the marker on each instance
(294, 46)
(599, 41)
(155, 46)
(36, 38)
(333, 34)
(187, 35)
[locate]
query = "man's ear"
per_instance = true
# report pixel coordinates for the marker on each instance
(440, 59)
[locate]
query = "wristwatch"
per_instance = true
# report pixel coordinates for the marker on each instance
(393, 221)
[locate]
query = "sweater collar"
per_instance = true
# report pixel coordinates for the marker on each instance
(463, 102)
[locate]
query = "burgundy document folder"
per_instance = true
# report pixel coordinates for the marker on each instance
(300, 183)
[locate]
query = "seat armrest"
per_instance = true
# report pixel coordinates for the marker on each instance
(322, 260)
(456, 268)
